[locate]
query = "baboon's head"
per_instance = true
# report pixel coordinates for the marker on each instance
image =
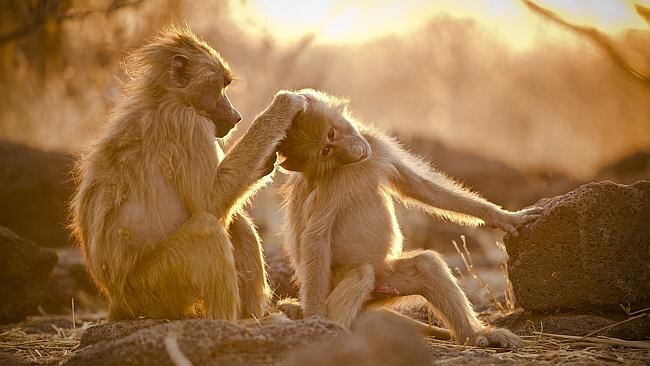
(323, 138)
(181, 66)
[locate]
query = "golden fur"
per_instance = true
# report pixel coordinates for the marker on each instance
(343, 236)
(157, 209)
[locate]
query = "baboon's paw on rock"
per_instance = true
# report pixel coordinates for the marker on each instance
(24, 270)
(588, 252)
(202, 342)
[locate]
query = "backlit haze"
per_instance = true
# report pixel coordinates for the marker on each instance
(336, 21)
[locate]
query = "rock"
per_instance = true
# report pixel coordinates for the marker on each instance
(34, 190)
(290, 307)
(589, 252)
(24, 270)
(70, 280)
(203, 342)
(526, 322)
(628, 169)
(116, 330)
(377, 339)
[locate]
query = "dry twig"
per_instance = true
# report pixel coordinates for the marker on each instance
(469, 265)
(602, 340)
(42, 16)
(599, 38)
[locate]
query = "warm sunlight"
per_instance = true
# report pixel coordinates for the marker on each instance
(324, 182)
(336, 21)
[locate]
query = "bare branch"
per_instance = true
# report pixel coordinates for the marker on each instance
(115, 5)
(42, 17)
(598, 37)
(643, 11)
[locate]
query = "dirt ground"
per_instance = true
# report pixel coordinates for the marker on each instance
(48, 340)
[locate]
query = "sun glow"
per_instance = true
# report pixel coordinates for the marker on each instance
(350, 21)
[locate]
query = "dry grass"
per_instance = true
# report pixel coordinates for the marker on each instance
(506, 307)
(541, 349)
(38, 348)
(23, 344)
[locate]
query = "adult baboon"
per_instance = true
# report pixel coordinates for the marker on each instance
(158, 209)
(344, 239)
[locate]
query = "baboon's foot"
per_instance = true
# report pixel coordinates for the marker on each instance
(496, 337)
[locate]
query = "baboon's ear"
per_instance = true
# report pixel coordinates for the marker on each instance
(179, 71)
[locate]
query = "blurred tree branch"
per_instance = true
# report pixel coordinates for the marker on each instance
(598, 37)
(48, 10)
(643, 11)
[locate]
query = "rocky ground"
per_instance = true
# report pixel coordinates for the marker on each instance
(276, 340)
(580, 275)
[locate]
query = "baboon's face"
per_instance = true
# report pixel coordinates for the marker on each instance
(204, 86)
(322, 140)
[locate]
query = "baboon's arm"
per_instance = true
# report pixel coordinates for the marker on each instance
(245, 164)
(416, 182)
(314, 267)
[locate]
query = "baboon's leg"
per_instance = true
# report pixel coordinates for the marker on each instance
(194, 263)
(254, 290)
(425, 273)
(351, 287)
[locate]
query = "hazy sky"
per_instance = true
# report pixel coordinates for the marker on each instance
(335, 21)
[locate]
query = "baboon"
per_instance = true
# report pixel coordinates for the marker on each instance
(343, 237)
(158, 207)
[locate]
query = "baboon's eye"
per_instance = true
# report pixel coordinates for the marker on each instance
(330, 135)
(325, 151)
(227, 82)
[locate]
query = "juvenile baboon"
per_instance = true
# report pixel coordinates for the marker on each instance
(158, 207)
(344, 240)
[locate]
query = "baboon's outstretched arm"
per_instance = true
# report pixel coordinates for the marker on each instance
(244, 164)
(414, 180)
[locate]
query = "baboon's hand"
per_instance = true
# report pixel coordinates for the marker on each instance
(289, 104)
(510, 222)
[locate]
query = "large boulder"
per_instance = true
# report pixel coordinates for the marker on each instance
(24, 271)
(34, 189)
(202, 342)
(589, 252)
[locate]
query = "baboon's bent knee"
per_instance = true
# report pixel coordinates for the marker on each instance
(429, 261)
(365, 272)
